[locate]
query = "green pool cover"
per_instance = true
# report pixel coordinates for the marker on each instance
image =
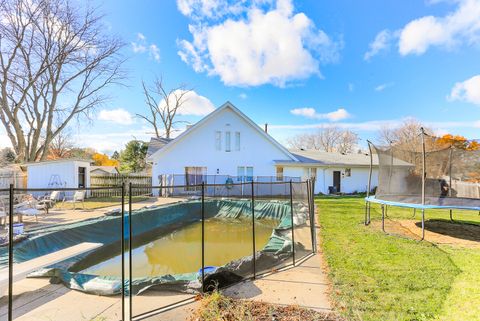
(148, 224)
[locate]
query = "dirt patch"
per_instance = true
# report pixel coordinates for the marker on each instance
(436, 231)
(216, 307)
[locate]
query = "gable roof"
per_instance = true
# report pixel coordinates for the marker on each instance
(227, 105)
(320, 158)
(106, 169)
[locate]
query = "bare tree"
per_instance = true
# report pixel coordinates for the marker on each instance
(163, 105)
(328, 139)
(61, 145)
(407, 134)
(347, 142)
(302, 141)
(55, 62)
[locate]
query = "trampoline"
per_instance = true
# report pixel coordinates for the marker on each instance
(424, 174)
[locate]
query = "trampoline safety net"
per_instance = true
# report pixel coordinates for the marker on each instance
(430, 172)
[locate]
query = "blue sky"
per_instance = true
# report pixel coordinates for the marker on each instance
(298, 65)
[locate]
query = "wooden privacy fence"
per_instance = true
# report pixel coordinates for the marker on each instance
(117, 180)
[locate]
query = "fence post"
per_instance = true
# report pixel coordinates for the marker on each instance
(123, 252)
(253, 233)
(293, 225)
(130, 241)
(203, 236)
(10, 254)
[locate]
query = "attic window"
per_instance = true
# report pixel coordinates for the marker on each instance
(227, 142)
(218, 140)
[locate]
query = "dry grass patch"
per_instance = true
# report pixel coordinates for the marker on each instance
(216, 307)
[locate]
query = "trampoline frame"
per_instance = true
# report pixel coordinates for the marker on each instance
(384, 203)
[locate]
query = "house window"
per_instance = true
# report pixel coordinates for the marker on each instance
(279, 173)
(227, 142)
(218, 140)
(244, 173)
(237, 141)
(311, 172)
(348, 172)
(194, 175)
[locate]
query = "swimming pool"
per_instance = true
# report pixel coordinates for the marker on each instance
(166, 244)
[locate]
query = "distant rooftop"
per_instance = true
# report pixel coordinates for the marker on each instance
(157, 143)
(320, 158)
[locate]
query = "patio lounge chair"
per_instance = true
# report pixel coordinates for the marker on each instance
(50, 200)
(4, 212)
(78, 197)
(29, 207)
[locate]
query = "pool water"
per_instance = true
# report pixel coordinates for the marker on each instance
(180, 252)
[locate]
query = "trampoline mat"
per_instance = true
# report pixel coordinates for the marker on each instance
(414, 201)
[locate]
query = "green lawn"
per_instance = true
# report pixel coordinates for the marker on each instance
(381, 277)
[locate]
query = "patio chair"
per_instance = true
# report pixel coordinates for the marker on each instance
(50, 200)
(78, 197)
(29, 207)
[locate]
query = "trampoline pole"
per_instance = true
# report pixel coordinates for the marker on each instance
(414, 212)
(423, 225)
(424, 176)
(383, 218)
(451, 215)
(366, 212)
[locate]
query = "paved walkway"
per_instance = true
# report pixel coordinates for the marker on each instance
(305, 285)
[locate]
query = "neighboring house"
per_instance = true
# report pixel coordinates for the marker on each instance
(66, 173)
(103, 170)
(227, 142)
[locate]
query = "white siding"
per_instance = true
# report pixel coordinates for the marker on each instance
(199, 149)
(39, 175)
(357, 182)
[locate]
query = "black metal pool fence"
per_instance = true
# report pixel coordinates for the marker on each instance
(291, 242)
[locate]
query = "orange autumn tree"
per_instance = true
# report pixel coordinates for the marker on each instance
(458, 141)
(104, 160)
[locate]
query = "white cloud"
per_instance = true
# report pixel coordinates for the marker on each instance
(382, 87)
(468, 91)
(351, 87)
(154, 52)
(194, 104)
(137, 48)
(459, 27)
(267, 44)
(141, 46)
(336, 115)
(118, 116)
(380, 43)
(243, 96)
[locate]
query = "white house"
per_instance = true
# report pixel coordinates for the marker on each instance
(227, 142)
(62, 173)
